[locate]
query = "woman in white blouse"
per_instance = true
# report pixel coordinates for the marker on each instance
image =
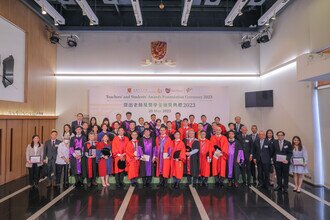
(34, 155)
(62, 161)
(299, 163)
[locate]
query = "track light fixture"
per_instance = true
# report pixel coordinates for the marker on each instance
(71, 41)
(54, 38)
(246, 44)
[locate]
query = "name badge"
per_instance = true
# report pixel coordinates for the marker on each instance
(247, 141)
(266, 146)
(286, 146)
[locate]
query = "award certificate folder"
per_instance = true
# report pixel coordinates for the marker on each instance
(280, 157)
(298, 161)
(35, 159)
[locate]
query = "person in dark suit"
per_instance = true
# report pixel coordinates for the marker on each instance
(238, 124)
(247, 146)
(254, 137)
(76, 123)
(282, 148)
(85, 130)
(49, 157)
(262, 154)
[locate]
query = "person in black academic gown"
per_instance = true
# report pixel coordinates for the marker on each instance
(191, 167)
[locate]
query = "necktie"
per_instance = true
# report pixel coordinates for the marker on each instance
(53, 144)
(261, 143)
(281, 145)
(254, 137)
(237, 127)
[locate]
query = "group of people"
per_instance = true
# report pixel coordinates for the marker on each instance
(167, 149)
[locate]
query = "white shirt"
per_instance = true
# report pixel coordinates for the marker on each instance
(35, 148)
(62, 151)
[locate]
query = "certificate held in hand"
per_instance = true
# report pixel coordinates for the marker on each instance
(280, 157)
(146, 157)
(35, 159)
(91, 152)
(298, 161)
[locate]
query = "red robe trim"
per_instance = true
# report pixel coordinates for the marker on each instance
(219, 165)
(178, 166)
(205, 147)
(118, 147)
(133, 165)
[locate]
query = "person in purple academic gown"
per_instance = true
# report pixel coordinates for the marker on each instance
(128, 121)
(235, 159)
(76, 152)
(147, 144)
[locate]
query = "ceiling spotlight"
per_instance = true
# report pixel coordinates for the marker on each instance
(264, 37)
(56, 24)
(54, 38)
(246, 44)
(71, 41)
(267, 23)
(231, 24)
(43, 11)
(91, 23)
(274, 17)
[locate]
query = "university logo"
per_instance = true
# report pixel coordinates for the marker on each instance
(167, 90)
(158, 50)
(129, 90)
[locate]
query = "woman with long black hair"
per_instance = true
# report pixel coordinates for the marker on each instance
(34, 155)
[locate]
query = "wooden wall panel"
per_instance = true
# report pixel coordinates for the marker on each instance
(14, 149)
(15, 134)
(40, 61)
(44, 130)
(2, 151)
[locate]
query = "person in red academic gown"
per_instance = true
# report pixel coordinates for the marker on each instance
(192, 124)
(170, 131)
(191, 168)
(184, 129)
(219, 150)
(133, 156)
(104, 159)
(178, 159)
(118, 151)
(90, 168)
(205, 158)
(163, 152)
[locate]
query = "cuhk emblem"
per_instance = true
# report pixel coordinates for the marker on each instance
(167, 90)
(158, 50)
(129, 90)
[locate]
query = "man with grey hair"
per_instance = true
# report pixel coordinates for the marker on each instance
(262, 154)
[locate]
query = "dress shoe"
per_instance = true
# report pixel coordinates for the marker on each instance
(285, 190)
